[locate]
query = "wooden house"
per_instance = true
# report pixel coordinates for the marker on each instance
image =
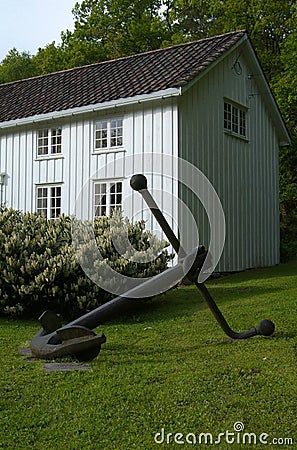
(89, 128)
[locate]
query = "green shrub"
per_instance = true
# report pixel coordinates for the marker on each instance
(288, 250)
(39, 267)
(288, 226)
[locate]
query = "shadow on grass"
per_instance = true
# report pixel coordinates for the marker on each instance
(186, 301)
(241, 293)
(281, 335)
(151, 355)
(159, 354)
(288, 269)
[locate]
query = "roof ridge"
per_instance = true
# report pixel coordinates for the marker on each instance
(122, 58)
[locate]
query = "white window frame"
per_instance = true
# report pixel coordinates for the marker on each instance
(107, 196)
(49, 142)
(108, 134)
(49, 203)
(235, 119)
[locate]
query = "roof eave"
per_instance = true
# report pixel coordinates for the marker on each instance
(113, 104)
(269, 99)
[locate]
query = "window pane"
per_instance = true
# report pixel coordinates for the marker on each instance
(101, 134)
(100, 188)
(242, 123)
(55, 202)
(42, 142)
(116, 132)
(235, 118)
(42, 201)
(227, 116)
(56, 140)
(115, 196)
(100, 210)
(100, 199)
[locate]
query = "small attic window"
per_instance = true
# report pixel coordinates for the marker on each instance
(235, 119)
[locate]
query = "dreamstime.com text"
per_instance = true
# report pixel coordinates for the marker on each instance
(236, 436)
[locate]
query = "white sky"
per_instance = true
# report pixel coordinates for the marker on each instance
(30, 24)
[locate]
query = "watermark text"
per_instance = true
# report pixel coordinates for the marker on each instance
(236, 436)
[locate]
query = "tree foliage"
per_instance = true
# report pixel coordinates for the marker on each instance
(16, 66)
(266, 22)
(107, 29)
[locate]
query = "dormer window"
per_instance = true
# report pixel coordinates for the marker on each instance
(49, 142)
(108, 134)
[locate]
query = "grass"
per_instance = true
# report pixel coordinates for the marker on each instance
(168, 366)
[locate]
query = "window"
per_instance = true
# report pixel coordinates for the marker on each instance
(234, 119)
(49, 142)
(49, 201)
(108, 196)
(108, 134)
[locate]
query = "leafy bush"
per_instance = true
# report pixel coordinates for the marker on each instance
(288, 199)
(288, 250)
(39, 267)
(288, 229)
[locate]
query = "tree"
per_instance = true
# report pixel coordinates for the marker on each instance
(285, 88)
(16, 66)
(187, 19)
(108, 29)
(266, 21)
(51, 58)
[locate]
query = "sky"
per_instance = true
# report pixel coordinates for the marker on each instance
(30, 24)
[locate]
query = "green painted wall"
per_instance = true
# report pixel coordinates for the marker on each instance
(243, 172)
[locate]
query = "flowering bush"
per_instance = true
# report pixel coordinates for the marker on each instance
(39, 266)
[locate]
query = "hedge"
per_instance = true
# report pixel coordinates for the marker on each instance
(39, 267)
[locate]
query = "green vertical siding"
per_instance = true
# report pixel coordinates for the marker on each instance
(243, 172)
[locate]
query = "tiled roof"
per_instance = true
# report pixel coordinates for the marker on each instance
(140, 74)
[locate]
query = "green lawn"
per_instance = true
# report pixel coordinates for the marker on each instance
(169, 366)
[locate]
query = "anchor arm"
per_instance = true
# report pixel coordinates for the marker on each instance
(266, 327)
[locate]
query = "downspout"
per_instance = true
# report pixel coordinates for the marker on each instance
(2, 176)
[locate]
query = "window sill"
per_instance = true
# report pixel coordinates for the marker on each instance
(109, 150)
(235, 135)
(48, 157)
(49, 183)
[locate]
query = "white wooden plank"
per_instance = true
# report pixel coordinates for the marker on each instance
(3, 167)
(23, 172)
(16, 171)
(29, 155)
